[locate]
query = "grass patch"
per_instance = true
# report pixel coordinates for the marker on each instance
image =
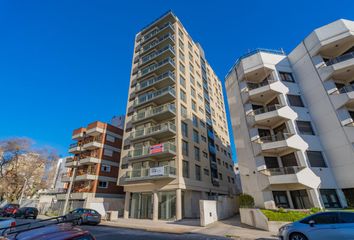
(284, 216)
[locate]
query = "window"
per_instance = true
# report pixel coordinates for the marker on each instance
(185, 169)
(195, 136)
(185, 148)
(196, 153)
(102, 184)
(184, 112)
(182, 68)
(281, 199)
(105, 168)
(184, 127)
(346, 217)
(183, 96)
(108, 152)
(325, 218)
(233, 180)
(198, 175)
(271, 162)
(182, 81)
(195, 121)
(206, 171)
(203, 138)
(295, 100)
(228, 179)
(193, 92)
(110, 138)
(202, 123)
(286, 77)
(194, 106)
(330, 198)
(205, 154)
(220, 176)
(305, 127)
(289, 160)
(316, 159)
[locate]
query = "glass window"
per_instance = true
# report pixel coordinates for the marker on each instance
(206, 171)
(346, 217)
(193, 92)
(285, 76)
(295, 100)
(325, 218)
(185, 169)
(182, 68)
(203, 138)
(194, 105)
(289, 160)
(196, 153)
(185, 148)
(330, 198)
(198, 175)
(316, 159)
(305, 127)
(183, 96)
(195, 121)
(195, 136)
(220, 176)
(102, 184)
(105, 168)
(184, 127)
(271, 162)
(281, 199)
(184, 112)
(182, 81)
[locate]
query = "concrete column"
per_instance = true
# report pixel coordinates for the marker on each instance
(126, 205)
(155, 208)
(178, 204)
(315, 198)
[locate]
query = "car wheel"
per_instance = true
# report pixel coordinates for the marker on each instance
(297, 236)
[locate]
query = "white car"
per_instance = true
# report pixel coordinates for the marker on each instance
(6, 223)
(330, 225)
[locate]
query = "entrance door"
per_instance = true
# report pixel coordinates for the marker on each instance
(141, 206)
(300, 199)
(167, 205)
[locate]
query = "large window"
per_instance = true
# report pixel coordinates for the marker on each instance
(198, 175)
(316, 159)
(185, 169)
(195, 121)
(271, 162)
(295, 100)
(289, 160)
(196, 153)
(185, 148)
(330, 198)
(349, 195)
(183, 96)
(184, 127)
(195, 136)
(286, 76)
(305, 128)
(281, 199)
(184, 112)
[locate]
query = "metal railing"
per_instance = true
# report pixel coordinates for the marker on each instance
(89, 171)
(154, 172)
(144, 151)
(252, 86)
(153, 95)
(150, 82)
(282, 171)
(266, 109)
(154, 67)
(341, 58)
(347, 89)
(153, 55)
(152, 130)
(156, 31)
(155, 43)
(154, 111)
(274, 137)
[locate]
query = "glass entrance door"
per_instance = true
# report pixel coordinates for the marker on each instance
(300, 199)
(167, 205)
(141, 206)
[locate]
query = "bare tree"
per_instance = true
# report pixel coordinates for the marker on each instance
(23, 168)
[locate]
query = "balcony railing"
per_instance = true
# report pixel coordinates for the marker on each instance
(157, 53)
(152, 150)
(154, 32)
(275, 138)
(154, 67)
(153, 95)
(155, 111)
(155, 43)
(153, 130)
(150, 173)
(339, 59)
(252, 86)
(89, 171)
(282, 171)
(267, 109)
(152, 81)
(93, 139)
(346, 89)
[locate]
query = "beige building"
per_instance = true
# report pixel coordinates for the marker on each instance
(292, 118)
(176, 147)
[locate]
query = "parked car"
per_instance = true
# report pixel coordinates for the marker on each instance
(323, 226)
(6, 223)
(9, 209)
(52, 232)
(26, 212)
(84, 216)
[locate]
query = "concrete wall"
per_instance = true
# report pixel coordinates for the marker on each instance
(103, 205)
(214, 210)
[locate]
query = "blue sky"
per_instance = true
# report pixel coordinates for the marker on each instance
(66, 63)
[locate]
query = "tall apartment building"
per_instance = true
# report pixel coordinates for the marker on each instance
(176, 141)
(292, 118)
(93, 170)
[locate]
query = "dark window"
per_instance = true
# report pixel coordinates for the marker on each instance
(289, 160)
(198, 175)
(316, 159)
(196, 153)
(281, 199)
(285, 76)
(195, 136)
(271, 162)
(185, 148)
(295, 100)
(330, 198)
(305, 127)
(206, 171)
(325, 218)
(185, 169)
(346, 217)
(184, 127)
(351, 113)
(300, 199)
(349, 195)
(195, 121)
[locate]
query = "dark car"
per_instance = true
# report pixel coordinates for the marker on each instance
(62, 231)
(84, 216)
(9, 209)
(26, 212)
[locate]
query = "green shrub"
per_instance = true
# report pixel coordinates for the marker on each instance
(315, 210)
(285, 216)
(246, 201)
(281, 210)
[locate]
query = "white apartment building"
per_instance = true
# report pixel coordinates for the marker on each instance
(292, 118)
(176, 148)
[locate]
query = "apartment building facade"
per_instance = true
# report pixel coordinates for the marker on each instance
(176, 141)
(293, 121)
(92, 171)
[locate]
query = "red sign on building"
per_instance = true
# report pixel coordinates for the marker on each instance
(158, 148)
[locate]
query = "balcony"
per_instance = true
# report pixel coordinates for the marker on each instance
(163, 80)
(159, 97)
(95, 128)
(167, 64)
(70, 163)
(340, 68)
(293, 177)
(157, 113)
(279, 144)
(157, 132)
(78, 133)
(74, 148)
(86, 174)
(155, 173)
(264, 91)
(270, 115)
(93, 143)
(157, 32)
(344, 98)
(66, 177)
(167, 51)
(164, 150)
(168, 38)
(89, 160)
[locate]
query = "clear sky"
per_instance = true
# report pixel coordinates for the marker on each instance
(66, 63)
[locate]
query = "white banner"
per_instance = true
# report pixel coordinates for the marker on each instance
(156, 171)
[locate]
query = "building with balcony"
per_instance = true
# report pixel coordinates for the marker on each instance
(292, 118)
(176, 148)
(93, 170)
